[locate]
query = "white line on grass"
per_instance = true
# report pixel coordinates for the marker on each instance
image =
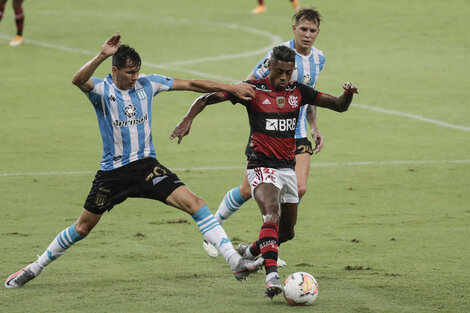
(275, 40)
(413, 116)
(239, 167)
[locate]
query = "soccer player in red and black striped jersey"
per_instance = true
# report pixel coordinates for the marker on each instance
(19, 20)
(273, 114)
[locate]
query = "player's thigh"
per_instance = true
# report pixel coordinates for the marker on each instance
(185, 200)
(267, 196)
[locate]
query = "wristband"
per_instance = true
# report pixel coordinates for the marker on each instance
(349, 93)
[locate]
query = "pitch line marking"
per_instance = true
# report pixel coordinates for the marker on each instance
(239, 167)
(223, 78)
(413, 116)
(173, 66)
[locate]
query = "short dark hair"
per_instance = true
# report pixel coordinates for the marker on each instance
(283, 54)
(309, 14)
(124, 53)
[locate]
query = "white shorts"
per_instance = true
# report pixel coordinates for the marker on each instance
(284, 179)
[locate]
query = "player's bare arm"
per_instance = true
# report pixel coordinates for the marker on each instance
(183, 127)
(82, 79)
(242, 90)
(338, 104)
(317, 137)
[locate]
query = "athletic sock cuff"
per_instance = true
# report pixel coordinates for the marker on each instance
(270, 225)
(237, 196)
(73, 234)
(201, 214)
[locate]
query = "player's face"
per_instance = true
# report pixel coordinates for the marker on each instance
(280, 74)
(305, 34)
(126, 77)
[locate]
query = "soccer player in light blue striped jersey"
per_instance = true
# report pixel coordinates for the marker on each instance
(309, 62)
(129, 168)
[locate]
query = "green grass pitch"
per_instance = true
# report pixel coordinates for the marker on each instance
(384, 226)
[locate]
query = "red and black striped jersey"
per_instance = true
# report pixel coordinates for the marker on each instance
(273, 117)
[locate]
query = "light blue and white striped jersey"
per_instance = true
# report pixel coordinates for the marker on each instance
(125, 118)
(307, 70)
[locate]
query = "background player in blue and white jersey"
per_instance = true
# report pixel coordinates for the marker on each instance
(129, 168)
(309, 62)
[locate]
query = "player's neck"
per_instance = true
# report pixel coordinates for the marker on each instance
(302, 51)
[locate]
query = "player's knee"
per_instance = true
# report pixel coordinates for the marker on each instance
(199, 202)
(194, 205)
(83, 229)
(245, 192)
(272, 213)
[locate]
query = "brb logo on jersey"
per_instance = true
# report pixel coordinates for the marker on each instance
(281, 124)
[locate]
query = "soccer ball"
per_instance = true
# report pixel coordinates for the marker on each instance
(300, 289)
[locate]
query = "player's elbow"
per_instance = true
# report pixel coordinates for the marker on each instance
(75, 81)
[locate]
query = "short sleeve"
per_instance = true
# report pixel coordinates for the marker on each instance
(96, 93)
(309, 95)
(159, 83)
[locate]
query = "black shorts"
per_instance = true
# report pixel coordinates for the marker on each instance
(145, 178)
(303, 146)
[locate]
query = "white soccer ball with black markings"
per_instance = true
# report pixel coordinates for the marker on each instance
(300, 289)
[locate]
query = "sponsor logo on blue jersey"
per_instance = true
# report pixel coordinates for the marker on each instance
(130, 110)
(131, 122)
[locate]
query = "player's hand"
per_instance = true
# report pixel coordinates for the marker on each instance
(350, 88)
(319, 141)
(111, 45)
(181, 130)
(243, 91)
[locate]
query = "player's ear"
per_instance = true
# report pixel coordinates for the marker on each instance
(114, 70)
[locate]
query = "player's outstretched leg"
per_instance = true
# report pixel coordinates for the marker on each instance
(64, 240)
(215, 234)
(232, 201)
